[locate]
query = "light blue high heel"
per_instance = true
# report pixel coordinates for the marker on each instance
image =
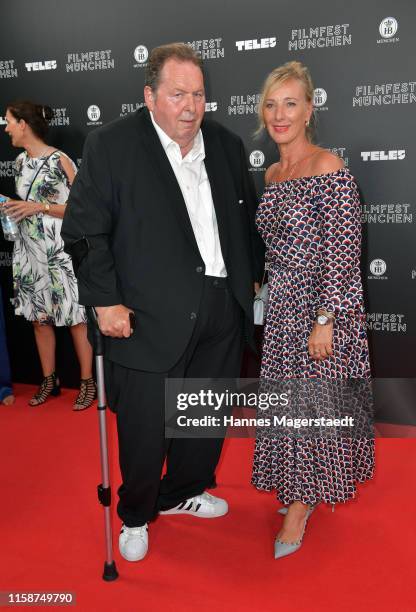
(282, 549)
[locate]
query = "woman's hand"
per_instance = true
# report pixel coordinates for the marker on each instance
(19, 209)
(320, 341)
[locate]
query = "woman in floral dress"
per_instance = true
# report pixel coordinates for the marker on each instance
(309, 218)
(45, 288)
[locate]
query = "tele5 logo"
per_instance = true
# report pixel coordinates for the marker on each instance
(211, 107)
(251, 45)
(382, 155)
(46, 65)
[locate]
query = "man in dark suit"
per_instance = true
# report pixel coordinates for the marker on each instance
(162, 210)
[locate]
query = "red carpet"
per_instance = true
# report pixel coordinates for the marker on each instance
(359, 558)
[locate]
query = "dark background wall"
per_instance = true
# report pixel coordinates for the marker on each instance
(81, 55)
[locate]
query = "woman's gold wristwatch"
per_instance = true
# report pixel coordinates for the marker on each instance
(46, 208)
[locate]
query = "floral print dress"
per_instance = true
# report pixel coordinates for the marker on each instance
(45, 287)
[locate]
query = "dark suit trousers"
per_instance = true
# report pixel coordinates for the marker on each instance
(138, 398)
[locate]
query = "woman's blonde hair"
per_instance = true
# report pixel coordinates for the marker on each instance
(290, 70)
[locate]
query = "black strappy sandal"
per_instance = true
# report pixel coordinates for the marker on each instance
(49, 386)
(87, 394)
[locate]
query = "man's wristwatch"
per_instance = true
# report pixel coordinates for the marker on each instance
(46, 208)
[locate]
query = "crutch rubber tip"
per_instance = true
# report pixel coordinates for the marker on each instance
(110, 572)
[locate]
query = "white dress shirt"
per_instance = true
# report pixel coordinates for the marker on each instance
(193, 181)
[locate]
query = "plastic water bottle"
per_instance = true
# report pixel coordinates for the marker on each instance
(8, 224)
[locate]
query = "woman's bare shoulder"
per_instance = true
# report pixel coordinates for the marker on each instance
(325, 162)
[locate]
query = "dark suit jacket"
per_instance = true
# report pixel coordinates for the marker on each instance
(142, 251)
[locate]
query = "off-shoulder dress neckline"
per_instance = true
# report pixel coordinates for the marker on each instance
(307, 178)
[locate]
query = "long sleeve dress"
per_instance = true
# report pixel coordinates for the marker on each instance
(312, 230)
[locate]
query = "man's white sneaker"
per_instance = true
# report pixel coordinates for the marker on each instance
(133, 542)
(203, 506)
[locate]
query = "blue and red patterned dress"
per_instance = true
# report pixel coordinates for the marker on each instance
(312, 230)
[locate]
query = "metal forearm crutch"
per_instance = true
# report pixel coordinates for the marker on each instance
(104, 489)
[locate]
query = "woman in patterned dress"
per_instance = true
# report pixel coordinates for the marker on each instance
(309, 218)
(45, 288)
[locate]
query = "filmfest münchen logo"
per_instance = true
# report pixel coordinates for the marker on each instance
(319, 37)
(3, 121)
(8, 70)
(381, 94)
(208, 48)
(94, 114)
(377, 268)
(5, 259)
(87, 61)
(341, 152)
(7, 169)
(386, 322)
(387, 213)
(128, 108)
(60, 117)
(244, 104)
